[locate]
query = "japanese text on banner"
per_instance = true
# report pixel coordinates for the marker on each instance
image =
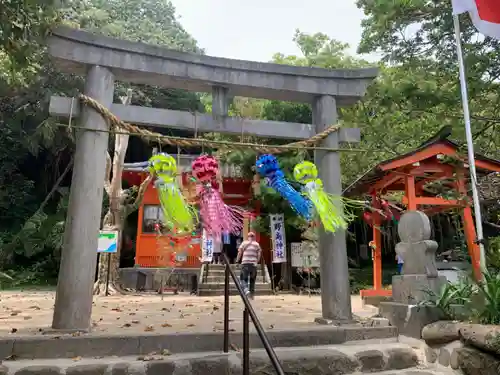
(278, 235)
(207, 247)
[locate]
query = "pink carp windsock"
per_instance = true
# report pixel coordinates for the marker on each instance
(216, 216)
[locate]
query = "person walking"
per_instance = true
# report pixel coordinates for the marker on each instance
(249, 253)
(400, 264)
(217, 252)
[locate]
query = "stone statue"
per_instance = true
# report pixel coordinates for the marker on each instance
(416, 248)
(420, 275)
(420, 280)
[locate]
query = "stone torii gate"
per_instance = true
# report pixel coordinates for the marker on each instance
(103, 60)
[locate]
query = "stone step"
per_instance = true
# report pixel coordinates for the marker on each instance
(220, 271)
(231, 285)
(217, 289)
(220, 280)
(106, 345)
(232, 292)
(390, 358)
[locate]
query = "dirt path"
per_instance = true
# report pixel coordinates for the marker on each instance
(28, 313)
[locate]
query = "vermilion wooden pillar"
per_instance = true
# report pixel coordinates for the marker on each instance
(469, 228)
(377, 239)
(470, 237)
(410, 193)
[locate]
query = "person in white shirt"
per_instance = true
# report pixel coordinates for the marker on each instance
(249, 253)
(400, 264)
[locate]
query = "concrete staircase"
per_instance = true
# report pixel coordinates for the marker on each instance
(211, 280)
(316, 350)
(380, 357)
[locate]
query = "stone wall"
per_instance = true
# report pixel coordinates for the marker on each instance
(472, 348)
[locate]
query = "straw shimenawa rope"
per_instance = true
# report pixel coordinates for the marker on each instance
(119, 126)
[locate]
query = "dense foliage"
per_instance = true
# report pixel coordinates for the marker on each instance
(416, 93)
(35, 153)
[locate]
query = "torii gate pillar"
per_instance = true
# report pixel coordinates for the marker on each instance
(335, 290)
(73, 306)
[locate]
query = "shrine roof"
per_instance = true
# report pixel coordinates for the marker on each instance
(438, 144)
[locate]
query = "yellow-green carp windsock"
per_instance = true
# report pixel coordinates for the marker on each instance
(178, 214)
(330, 208)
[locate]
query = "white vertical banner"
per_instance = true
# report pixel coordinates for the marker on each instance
(297, 254)
(278, 236)
(207, 247)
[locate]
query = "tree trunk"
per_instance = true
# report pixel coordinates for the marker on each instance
(115, 217)
(116, 222)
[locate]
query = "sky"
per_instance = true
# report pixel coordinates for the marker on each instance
(257, 29)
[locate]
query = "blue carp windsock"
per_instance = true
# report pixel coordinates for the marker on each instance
(329, 207)
(178, 214)
(268, 167)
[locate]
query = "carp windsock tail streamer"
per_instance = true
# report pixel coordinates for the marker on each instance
(268, 167)
(178, 214)
(216, 216)
(331, 209)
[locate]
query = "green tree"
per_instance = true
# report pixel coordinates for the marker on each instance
(23, 26)
(37, 151)
(418, 37)
(420, 92)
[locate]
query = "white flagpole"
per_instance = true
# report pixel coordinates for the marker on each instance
(470, 144)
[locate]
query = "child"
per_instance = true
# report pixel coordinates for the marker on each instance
(400, 264)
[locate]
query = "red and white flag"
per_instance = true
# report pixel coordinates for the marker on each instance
(485, 15)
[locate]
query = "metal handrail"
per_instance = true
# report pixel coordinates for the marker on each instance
(248, 312)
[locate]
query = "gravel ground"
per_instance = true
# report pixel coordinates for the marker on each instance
(28, 313)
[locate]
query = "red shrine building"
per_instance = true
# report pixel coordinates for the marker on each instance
(438, 159)
(149, 245)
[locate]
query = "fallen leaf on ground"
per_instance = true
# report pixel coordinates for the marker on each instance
(75, 359)
(149, 329)
(190, 325)
(164, 325)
